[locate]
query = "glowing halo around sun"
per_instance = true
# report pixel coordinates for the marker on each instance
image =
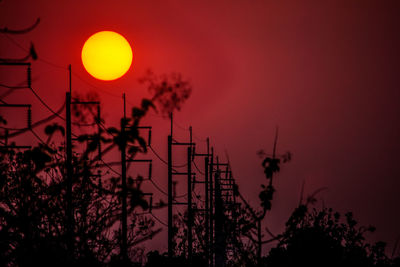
(107, 55)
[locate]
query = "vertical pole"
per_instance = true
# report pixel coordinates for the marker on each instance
(211, 210)
(99, 130)
(190, 211)
(207, 208)
(219, 222)
(70, 213)
(215, 214)
(69, 174)
(259, 241)
(172, 123)
(124, 243)
(170, 233)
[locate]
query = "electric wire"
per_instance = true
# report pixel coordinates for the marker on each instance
(111, 168)
(155, 217)
(27, 50)
(12, 87)
(21, 31)
(40, 122)
(12, 129)
(42, 142)
(158, 156)
(197, 168)
(45, 104)
(164, 161)
(179, 126)
(93, 86)
(158, 187)
(37, 137)
(181, 196)
(55, 113)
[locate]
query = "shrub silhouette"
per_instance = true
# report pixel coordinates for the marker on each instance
(322, 238)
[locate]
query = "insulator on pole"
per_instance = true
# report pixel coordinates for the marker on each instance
(29, 71)
(151, 204)
(29, 118)
(149, 139)
(150, 170)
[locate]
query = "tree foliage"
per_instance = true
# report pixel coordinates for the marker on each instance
(33, 221)
(323, 238)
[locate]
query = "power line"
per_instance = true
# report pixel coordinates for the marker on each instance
(12, 129)
(38, 137)
(40, 122)
(39, 58)
(95, 87)
(155, 217)
(179, 126)
(44, 104)
(110, 168)
(55, 113)
(164, 161)
(41, 140)
(181, 196)
(158, 188)
(105, 129)
(12, 87)
(158, 156)
(187, 129)
(197, 168)
(21, 31)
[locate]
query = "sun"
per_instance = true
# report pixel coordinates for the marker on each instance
(107, 55)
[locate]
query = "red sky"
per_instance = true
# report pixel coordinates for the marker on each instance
(325, 72)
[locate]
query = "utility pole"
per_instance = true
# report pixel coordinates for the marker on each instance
(207, 215)
(70, 211)
(219, 223)
(170, 199)
(190, 208)
(211, 237)
(28, 106)
(124, 243)
(69, 167)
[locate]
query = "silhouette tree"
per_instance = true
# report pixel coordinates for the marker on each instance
(33, 203)
(322, 238)
(250, 219)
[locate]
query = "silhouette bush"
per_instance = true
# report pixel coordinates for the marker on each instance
(33, 221)
(323, 238)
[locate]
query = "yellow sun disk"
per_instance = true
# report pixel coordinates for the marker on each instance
(107, 55)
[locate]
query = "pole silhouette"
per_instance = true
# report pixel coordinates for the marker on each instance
(124, 232)
(189, 204)
(170, 198)
(70, 212)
